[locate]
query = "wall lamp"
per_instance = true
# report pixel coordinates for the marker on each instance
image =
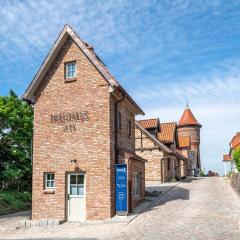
(73, 160)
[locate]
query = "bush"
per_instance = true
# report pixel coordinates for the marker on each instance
(202, 173)
(236, 157)
(16, 200)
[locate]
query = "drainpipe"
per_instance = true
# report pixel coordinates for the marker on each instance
(116, 130)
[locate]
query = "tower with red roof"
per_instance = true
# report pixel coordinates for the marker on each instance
(189, 126)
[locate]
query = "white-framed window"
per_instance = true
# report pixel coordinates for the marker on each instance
(119, 121)
(70, 70)
(129, 127)
(77, 184)
(49, 180)
(137, 184)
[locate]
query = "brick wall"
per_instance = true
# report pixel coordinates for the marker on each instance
(194, 132)
(159, 166)
(125, 141)
(91, 143)
(135, 165)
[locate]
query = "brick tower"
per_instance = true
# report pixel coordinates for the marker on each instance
(189, 126)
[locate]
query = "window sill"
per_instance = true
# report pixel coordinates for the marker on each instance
(49, 191)
(66, 80)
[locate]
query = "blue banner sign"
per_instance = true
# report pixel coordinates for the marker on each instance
(121, 188)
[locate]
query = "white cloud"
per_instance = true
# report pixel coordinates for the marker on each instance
(169, 50)
(214, 101)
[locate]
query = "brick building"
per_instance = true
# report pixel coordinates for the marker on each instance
(228, 158)
(157, 143)
(83, 125)
(188, 131)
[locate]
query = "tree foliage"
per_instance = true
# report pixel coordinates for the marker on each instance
(16, 124)
(236, 157)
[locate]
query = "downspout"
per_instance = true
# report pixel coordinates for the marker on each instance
(116, 130)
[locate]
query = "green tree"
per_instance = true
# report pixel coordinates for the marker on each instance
(16, 124)
(236, 157)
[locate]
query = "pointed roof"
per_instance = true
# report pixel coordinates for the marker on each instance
(188, 119)
(88, 52)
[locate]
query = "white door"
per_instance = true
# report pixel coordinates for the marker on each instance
(76, 197)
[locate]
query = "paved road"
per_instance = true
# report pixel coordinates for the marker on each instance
(200, 209)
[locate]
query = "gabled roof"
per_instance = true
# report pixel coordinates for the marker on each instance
(154, 139)
(188, 119)
(149, 123)
(89, 53)
(183, 141)
(167, 132)
(226, 158)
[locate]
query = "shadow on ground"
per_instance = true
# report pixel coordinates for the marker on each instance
(191, 179)
(177, 193)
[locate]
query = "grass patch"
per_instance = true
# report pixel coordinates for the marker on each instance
(12, 202)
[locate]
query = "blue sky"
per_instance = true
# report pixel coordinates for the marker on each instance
(162, 52)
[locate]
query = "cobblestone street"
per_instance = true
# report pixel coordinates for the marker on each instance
(202, 208)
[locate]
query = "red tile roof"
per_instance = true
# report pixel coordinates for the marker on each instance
(188, 118)
(149, 123)
(227, 158)
(235, 143)
(167, 132)
(183, 141)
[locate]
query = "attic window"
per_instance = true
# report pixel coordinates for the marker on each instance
(70, 70)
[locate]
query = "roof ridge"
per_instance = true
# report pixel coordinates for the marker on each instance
(148, 119)
(67, 32)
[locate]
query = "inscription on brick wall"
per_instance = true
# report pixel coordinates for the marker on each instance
(68, 120)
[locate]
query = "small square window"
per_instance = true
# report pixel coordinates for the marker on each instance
(49, 180)
(70, 71)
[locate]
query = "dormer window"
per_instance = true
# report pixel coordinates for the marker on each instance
(70, 71)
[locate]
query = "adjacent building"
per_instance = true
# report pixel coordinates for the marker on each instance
(228, 158)
(84, 125)
(157, 144)
(188, 131)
